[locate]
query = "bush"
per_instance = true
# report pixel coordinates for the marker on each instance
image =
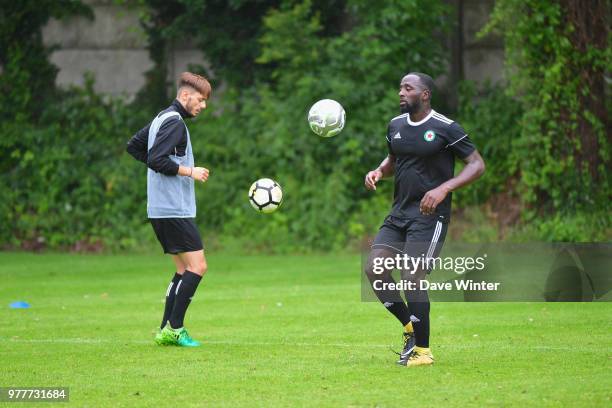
(69, 182)
(556, 58)
(492, 119)
(262, 131)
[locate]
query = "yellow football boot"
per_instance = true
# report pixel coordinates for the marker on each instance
(419, 356)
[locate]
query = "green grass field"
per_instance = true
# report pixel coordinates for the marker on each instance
(283, 331)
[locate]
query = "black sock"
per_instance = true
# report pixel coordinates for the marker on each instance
(399, 310)
(184, 291)
(418, 302)
(391, 299)
(170, 294)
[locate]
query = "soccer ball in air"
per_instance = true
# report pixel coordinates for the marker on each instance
(326, 118)
(265, 195)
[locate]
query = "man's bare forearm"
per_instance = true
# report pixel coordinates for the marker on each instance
(185, 171)
(387, 166)
(196, 173)
(474, 168)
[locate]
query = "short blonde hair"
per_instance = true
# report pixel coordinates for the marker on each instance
(195, 81)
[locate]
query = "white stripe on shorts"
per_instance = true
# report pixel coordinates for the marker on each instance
(434, 240)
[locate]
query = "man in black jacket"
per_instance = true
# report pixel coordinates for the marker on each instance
(164, 145)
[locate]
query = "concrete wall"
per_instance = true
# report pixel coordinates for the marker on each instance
(113, 48)
(483, 59)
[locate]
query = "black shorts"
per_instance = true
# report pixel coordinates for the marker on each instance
(421, 236)
(177, 235)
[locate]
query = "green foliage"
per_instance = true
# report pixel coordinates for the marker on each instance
(67, 187)
(579, 227)
(28, 77)
(262, 131)
(227, 31)
(68, 181)
(556, 66)
(54, 146)
(491, 118)
(156, 16)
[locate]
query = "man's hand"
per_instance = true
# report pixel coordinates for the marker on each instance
(474, 167)
(432, 198)
(199, 173)
(372, 178)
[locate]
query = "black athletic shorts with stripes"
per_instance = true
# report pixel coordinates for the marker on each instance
(420, 236)
(177, 235)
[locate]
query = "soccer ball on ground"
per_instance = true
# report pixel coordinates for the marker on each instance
(265, 195)
(326, 118)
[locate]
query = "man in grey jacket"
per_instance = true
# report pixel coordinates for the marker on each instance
(164, 146)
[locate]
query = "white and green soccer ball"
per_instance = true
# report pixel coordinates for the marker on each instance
(326, 118)
(265, 195)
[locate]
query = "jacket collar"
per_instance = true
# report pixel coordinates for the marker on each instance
(179, 108)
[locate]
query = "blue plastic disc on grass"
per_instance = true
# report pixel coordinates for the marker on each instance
(19, 305)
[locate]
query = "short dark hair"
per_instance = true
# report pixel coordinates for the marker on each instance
(426, 81)
(195, 81)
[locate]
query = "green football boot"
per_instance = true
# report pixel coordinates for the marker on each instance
(160, 340)
(177, 337)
